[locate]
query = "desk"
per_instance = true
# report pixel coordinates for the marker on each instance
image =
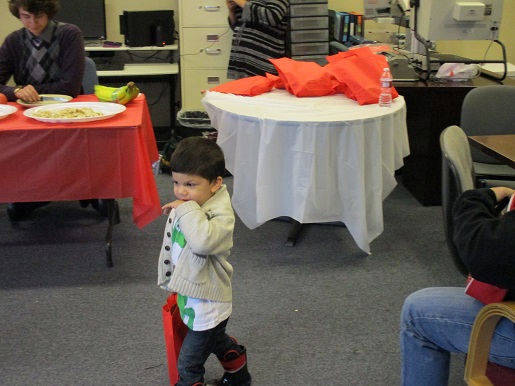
(101, 159)
(153, 72)
(142, 71)
(322, 159)
(500, 147)
(138, 69)
(432, 106)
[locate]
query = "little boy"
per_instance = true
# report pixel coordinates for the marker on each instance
(193, 262)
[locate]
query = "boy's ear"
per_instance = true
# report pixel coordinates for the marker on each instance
(216, 184)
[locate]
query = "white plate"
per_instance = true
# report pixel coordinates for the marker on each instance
(6, 110)
(43, 102)
(107, 109)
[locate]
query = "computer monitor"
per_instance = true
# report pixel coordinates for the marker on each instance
(88, 15)
(147, 28)
(457, 20)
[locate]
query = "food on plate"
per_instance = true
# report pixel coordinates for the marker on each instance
(121, 95)
(66, 113)
(3, 99)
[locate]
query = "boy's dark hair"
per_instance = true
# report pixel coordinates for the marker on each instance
(198, 156)
(37, 7)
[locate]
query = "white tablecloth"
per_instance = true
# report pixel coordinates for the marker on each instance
(320, 159)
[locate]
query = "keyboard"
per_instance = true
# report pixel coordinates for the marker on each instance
(109, 66)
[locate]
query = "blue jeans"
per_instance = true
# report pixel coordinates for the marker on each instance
(436, 322)
(197, 347)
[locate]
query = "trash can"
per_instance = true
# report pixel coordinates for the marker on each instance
(194, 123)
(191, 123)
(194, 119)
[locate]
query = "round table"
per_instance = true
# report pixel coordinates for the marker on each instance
(313, 159)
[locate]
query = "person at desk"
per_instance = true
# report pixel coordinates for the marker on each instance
(43, 57)
(259, 34)
(438, 321)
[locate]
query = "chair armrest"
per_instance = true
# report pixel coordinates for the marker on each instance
(481, 339)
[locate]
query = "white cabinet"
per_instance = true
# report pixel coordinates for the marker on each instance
(205, 46)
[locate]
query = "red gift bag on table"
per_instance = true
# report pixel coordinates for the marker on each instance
(175, 331)
(359, 71)
(250, 86)
(304, 79)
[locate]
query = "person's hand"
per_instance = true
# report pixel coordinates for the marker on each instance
(167, 208)
(502, 192)
(28, 94)
(231, 5)
(237, 3)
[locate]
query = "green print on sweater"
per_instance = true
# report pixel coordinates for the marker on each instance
(189, 312)
(178, 237)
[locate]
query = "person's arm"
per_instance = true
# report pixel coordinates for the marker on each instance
(71, 62)
(232, 6)
(8, 58)
(485, 241)
(207, 232)
(271, 14)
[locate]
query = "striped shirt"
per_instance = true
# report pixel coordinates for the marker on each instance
(259, 34)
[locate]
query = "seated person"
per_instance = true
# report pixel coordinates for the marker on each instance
(43, 57)
(438, 321)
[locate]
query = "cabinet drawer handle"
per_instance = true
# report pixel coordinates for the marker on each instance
(212, 8)
(213, 79)
(213, 51)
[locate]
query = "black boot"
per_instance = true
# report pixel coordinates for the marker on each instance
(236, 372)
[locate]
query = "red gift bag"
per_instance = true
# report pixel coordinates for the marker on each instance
(359, 71)
(484, 292)
(175, 331)
(250, 86)
(304, 79)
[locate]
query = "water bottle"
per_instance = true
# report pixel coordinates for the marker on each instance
(385, 97)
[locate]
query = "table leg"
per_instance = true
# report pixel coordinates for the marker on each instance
(293, 234)
(113, 216)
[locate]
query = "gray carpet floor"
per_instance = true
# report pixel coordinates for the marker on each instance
(320, 313)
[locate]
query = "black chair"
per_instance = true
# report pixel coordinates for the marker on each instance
(489, 110)
(457, 176)
(106, 207)
(90, 78)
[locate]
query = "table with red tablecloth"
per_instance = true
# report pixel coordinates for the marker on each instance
(108, 158)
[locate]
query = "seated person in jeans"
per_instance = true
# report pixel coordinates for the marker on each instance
(438, 321)
(43, 57)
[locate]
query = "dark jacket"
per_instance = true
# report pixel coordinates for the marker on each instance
(484, 239)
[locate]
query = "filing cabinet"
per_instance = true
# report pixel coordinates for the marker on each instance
(204, 46)
(308, 35)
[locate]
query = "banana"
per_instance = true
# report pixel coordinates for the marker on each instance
(104, 93)
(130, 93)
(122, 95)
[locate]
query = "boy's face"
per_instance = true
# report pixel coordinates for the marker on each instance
(34, 23)
(187, 187)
